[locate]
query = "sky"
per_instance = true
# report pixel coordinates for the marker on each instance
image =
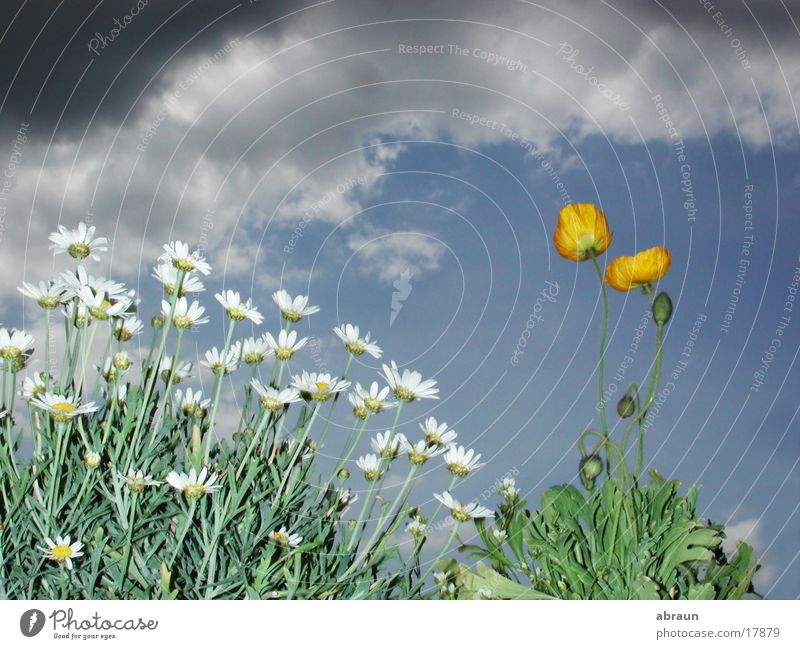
(417, 155)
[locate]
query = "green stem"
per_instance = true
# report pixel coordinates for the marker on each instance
(182, 534)
(212, 419)
(639, 465)
(603, 336)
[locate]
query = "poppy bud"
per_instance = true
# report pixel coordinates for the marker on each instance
(626, 407)
(662, 308)
(591, 467)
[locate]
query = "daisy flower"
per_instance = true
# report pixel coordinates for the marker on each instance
(193, 486)
(293, 310)
(360, 410)
(137, 481)
(77, 314)
(32, 387)
(347, 497)
(272, 399)
(421, 452)
(214, 362)
(71, 284)
(409, 385)
(282, 537)
(375, 398)
(508, 489)
(417, 527)
(79, 243)
(185, 315)
(179, 373)
(99, 306)
(462, 513)
(190, 403)
(286, 344)
(254, 350)
(348, 334)
(127, 328)
(318, 387)
(461, 462)
(62, 551)
(387, 446)
(177, 253)
(437, 434)
(499, 535)
(238, 310)
(167, 275)
(370, 465)
(47, 294)
(62, 408)
(15, 347)
(91, 459)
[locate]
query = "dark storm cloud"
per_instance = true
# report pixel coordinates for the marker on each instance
(47, 56)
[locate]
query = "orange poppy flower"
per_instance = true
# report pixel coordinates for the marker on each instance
(626, 273)
(582, 232)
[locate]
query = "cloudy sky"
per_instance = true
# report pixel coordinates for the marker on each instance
(356, 151)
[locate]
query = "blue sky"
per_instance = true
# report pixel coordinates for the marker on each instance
(240, 126)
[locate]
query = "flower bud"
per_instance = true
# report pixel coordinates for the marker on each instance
(157, 322)
(626, 407)
(344, 474)
(662, 308)
(91, 459)
(121, 361)
(591, 466)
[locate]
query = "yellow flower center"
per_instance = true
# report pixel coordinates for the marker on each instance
(61, 552)
(373, 404)
(355, 347)
(460, 515)
(291, 315)
(236, 314)
(280, 538)
(322, 386)
(186, 265)
(63, 406)
(458, 469)
(404, 394)
(194, 490)
(78, 250)
(182, 321)
(284, 354)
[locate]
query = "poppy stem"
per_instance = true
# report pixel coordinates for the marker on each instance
(603, 336)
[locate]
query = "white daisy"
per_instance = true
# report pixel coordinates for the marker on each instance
(47, 294)
(360, 410)
(272, 399)
(437, 434)
(462, 512)
(254, 350)
(168, 276)
(32, 386)
(508, 489)
(238, 310)
(293, 309)
(191, 402)
(177, 253)
(318, 387)
(127, 328)
(62, 408)
(91, 459)
(417, 527)
(137, 481)
(179, 373)
(370, 465)
(193, 486)
(348, 334)
(16, 348)
(375, 398)
(409, 385)
(185, 315)
(286, 344)
(388, 446)
(78, 314)
(79, 243)
(71, 283)
(282, 537)
(461, 462)
(214, 362)
(421, 452)
(347, 497)
(62, 551)
(99, 306)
